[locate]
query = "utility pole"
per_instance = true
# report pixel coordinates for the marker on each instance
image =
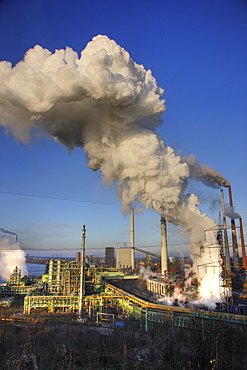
(82, 280)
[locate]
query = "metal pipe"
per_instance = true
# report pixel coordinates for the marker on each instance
(242, 244)
(82, 280)
(234, 234)
(226, 245)
(164, 254)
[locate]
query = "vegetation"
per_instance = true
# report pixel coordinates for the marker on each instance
(55, 342)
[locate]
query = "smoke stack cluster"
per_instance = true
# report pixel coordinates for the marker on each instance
(234, 234)
(110, 106)
(230, 212)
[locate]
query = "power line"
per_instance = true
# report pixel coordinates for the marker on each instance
(88, 248)
(57, 198)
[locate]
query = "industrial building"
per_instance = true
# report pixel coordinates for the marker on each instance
(109, 257)
(125, 258)
(75, 286)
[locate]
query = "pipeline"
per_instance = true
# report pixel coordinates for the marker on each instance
(155, 307)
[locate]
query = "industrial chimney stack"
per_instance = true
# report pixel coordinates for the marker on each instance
(132, 229)
(226, 245)
(164, 254)
(132, 237)
(82, 280)
(244, 261)
(234, 234)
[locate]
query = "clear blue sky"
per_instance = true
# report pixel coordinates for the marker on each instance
(197, 51)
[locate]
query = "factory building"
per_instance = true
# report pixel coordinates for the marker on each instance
(78, 256)
(125, 257)
(109, 257)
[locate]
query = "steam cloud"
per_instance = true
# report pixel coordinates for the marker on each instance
(230, 212)
(11, 255)
(110, 106)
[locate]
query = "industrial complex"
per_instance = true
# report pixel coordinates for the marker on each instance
(173, 289)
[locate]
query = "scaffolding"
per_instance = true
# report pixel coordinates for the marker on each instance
(51, 303)
(55, 269)
(70, 279)
(15, 277)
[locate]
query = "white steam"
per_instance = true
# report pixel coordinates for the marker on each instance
(11, 255)
(230, 212)
(109, 105)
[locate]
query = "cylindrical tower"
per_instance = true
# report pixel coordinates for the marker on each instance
(226, 245)
(82, 280)
(164, 253)
(234, 234)
(132, 229)
(132, 236)
(242, 244)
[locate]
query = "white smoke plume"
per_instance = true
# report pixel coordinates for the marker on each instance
(230, 212)
(106, 103)
(11, 255)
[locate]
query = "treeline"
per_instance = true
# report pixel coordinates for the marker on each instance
(56, 344)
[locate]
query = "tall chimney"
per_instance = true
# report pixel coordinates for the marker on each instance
(226, 246)
(164, 254)
(132, 237)
(234, 235)
(82, 280)
(132, 229)
(242, 244)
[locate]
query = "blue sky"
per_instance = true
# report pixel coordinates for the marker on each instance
(197, 51)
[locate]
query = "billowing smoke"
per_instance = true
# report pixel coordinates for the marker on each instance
(11, 255)
(204, 173)
(230, 212)
(109, 105)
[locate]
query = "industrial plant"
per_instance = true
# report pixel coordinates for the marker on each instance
(115, 125)
(155, 289)
(102, 312)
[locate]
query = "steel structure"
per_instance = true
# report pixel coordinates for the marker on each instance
(180, 316)
(129, 304)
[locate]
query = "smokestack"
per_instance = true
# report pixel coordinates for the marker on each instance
(242, 244)
(164, 254)
(82, 281)
(226, 246)
(132, 236)
(132, 229)
(234, 234)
